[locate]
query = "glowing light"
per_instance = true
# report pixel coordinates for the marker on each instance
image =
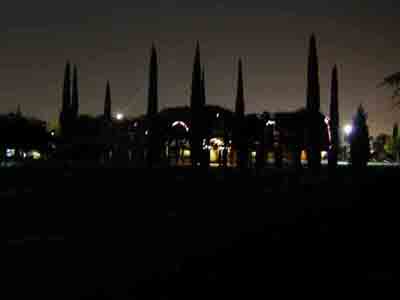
(10, 152)
(348, 129)
(217, 115)
(217, 142)
(147, 132)
(52, 133)
(270, 123)
(35, 154)
(327, 122)
(181, 123)
(119, 116)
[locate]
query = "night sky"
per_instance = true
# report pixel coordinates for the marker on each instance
(111, 40)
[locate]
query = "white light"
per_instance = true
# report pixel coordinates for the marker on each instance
(181, 123)
(270, 123)
(10, 152)
(52, 133)
(216, 141)
(348, 129)
(35, 154)
(147, 132)
(217, 115)
(119, 116)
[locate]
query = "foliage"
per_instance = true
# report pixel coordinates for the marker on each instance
(359, 140)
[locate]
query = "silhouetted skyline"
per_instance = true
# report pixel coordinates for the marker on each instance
(111, 41)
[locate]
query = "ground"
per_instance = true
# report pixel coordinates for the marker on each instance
(178, 233)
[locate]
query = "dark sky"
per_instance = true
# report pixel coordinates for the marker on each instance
(111, 40)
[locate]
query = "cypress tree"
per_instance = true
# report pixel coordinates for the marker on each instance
(152, 104)
(196, 107)
(154, 147)
(75, 95)
(107, 103)
(66, 101)
(313, 107)
(313, 92)
(359, 140)
(240, 137)
(203, 88)
(334, 121)
(395, 141)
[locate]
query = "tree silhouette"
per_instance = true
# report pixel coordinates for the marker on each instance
(152, 104)
(359, 140)
(154, 146)
(393, 81)
(313, 107)
(334, 121)
(196, 106)
(395, 142)
(75, 95)
(107, 104)
(240, 140)
(65, 114)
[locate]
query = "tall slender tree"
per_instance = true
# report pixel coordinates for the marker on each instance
(313, 108)
(196, 108)
(395, 142)
(313, 90)
(152, 104)
(240, 130)
(75, 95)
(359, 140)
(334, 120)
(154, 145)
(107, 104)
(203, 88)
(66, 101)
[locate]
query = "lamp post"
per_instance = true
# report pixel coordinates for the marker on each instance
(347, 129)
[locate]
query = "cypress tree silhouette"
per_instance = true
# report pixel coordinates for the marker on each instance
(205, 157)
(395, 142)
(334, 121)
(152, 105)
(107, 104)
(75, 95)
(154, 147)
(65, 113)
(359, 140)
(313, 107)
(196, 109)
(313, 92)
(203, 88)
(240, 136)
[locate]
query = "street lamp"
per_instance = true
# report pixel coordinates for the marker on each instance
(119, 116)
(347, 129)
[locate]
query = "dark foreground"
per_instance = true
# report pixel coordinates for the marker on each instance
(120, 233)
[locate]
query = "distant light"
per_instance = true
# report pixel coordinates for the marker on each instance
(135, 124)
(181, 123)
(348, 129)
(119, 116)
(35, 154)
(52, 133)
(217, 142)
(10, 152)
(147, 132)
(270, 123)
(217, 115)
